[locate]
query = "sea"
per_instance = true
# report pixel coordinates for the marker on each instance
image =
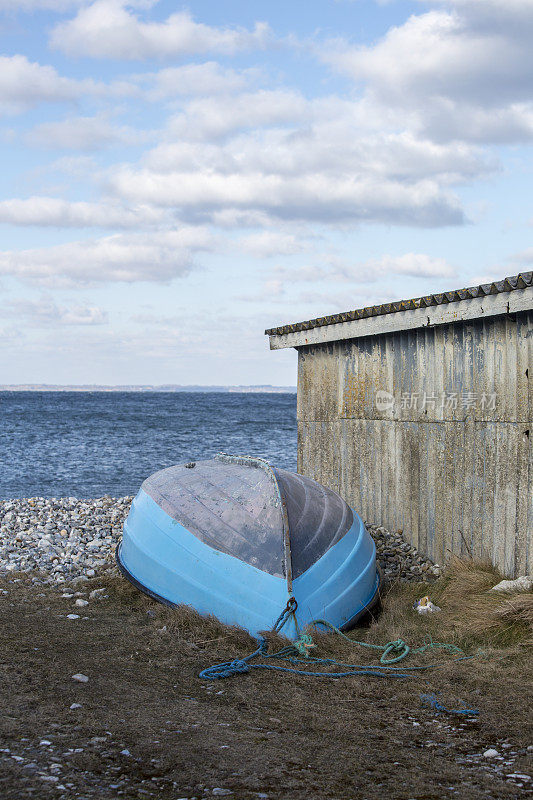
(90, 444)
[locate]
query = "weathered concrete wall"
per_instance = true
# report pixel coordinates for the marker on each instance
(446, 455)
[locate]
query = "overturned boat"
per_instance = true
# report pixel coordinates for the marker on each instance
(236, 538)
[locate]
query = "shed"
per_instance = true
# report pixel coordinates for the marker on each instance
(419, 413)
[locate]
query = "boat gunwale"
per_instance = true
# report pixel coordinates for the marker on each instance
(164, 601)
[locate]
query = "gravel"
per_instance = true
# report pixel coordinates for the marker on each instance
(61, 539)
(66, 540)
(400, 561)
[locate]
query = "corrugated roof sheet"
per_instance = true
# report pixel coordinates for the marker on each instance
(521, 281)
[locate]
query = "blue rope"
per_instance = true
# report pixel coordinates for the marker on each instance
(431, 700)
(239, 666)
(298, 653)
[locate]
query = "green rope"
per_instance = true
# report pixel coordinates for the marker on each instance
(397, 646)
(298, 653)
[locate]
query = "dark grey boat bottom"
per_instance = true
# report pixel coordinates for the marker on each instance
(233, 504)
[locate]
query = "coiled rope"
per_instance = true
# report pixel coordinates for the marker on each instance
(298, 653)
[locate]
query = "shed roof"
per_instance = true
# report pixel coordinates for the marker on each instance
(511, 284)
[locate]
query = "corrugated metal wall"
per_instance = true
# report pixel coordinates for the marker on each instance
(446, 455)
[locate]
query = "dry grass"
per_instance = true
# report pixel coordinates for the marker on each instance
(480, 616)
(489, 625)
(472, 617)
(290, 737)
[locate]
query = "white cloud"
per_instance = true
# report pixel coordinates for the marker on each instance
(450, 120)
(209, 78)
(270, 243)
(46, 313)
(83, 133)
(107, 29)
(51, 211)
(156, 257)
(311, 197)
(502, 12)
(314, 171)
(417, 265)
(438, 54)
(334, 285)
(460, 73)
(276, 155)
(210, 118)
(9, 334)
(24, 84)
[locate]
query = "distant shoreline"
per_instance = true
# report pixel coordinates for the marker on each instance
(37, 387)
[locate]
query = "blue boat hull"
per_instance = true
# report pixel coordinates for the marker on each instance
(173, 565)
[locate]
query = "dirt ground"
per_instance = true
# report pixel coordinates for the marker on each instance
(148, 727)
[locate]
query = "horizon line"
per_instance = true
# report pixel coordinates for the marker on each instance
(142, 387)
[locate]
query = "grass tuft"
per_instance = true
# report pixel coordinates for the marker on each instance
(472, 616)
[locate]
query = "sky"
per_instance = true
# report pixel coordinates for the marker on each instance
(177, 178)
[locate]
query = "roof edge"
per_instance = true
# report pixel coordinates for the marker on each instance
(521, 281)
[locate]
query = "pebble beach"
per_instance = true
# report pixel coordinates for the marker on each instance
(61, 539)
(102, 698)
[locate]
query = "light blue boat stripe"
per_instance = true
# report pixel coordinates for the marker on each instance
(170, 561)
(342, 582)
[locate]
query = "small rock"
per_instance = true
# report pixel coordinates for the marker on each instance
(80, 677)
(522, 584)
(221, 792)
(96, 593)
(75, 705)
(490, 753)
(79, 602)
(45, 741)
(125, 752)
(73, 616)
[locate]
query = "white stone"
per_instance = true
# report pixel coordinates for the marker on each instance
(80, 677)
(75, 705)
(73, 616)
(45, 741)
(125, 752)
(522, 584)
(491, 753)
(79, 602)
